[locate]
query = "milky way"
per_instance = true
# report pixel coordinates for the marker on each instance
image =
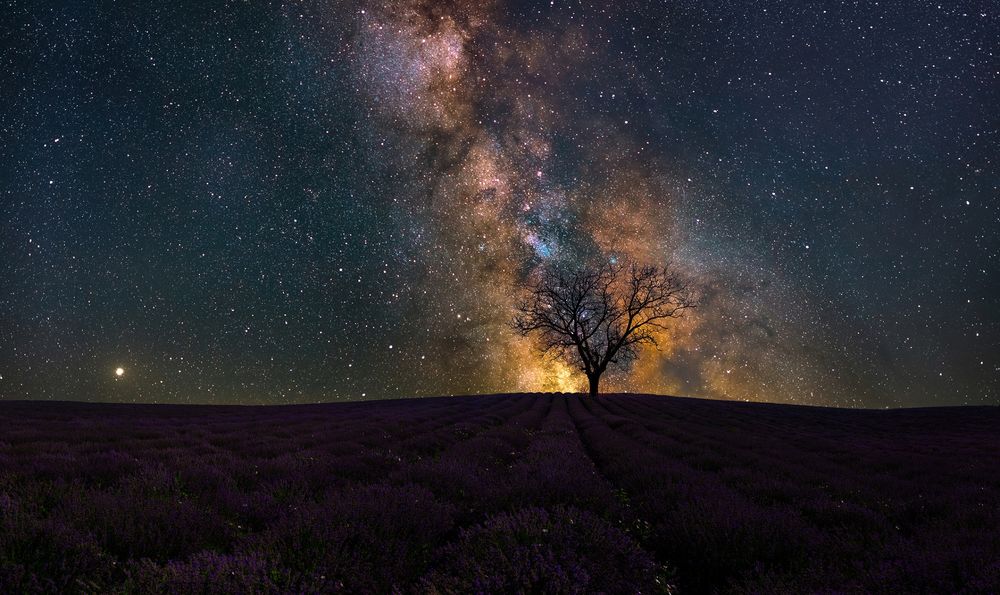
(327, 201)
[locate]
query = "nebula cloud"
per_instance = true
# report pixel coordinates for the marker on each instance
(506, 176)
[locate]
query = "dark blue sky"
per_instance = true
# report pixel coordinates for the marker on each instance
(282, 202)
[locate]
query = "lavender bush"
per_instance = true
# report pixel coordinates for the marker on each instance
(505, 493)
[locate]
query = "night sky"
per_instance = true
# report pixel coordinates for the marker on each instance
(262, 202)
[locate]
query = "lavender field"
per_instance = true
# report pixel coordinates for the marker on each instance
(530, 493)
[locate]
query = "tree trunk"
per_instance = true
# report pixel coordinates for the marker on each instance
(594, 379)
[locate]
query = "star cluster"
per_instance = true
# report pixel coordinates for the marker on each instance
(288, 202)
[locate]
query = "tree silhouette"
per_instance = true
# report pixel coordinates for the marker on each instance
(598, 316)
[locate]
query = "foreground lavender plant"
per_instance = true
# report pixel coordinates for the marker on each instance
(507, 493)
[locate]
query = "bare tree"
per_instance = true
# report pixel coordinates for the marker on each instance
(595, 317)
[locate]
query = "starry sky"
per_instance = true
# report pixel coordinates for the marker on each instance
(278, 202)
